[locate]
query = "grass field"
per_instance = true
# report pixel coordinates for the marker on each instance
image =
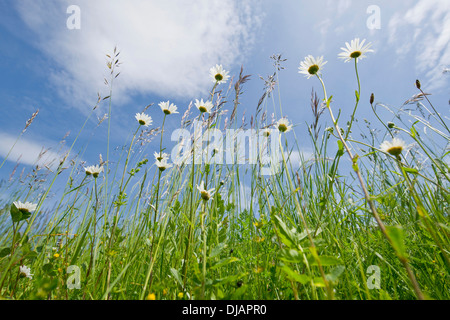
(365, 216)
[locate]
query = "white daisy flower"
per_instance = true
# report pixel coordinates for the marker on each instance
(168, 108)
(355, 50)
(283, 125)
(93, 170)
(311, 66)
(25, 272)
(143, 119)
(161, 156)
(218, 74)
(395, 147)
(266, 132)
(25, 207)
(203, 106)
(163, 164)
(205, 194)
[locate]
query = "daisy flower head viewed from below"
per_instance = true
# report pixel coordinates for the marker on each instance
(93, 170)
(143, 119)
(168, 108)
(25, 272)
(218, 74)
(355, 50)
(163, 164)
(203, 106)
(26, 207)
(266, 132)
(205, 194)
(311, 66)
(395, 147)
(283, 125)
(161, 156)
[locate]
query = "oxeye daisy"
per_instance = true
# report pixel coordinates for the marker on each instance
(218, 74)
(205, 194)
(143, 119)
(266, 132)
(163, 164)
(395, 147)
(25, 272)
(283, 125)
(93, 170)
(26, 207)
(161, 156)
(311, 66)
(168, 108)
(203, 106)
(355, 50)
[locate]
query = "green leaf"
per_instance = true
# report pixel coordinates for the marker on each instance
(80, 244)
(218, 249)
(318, 282)
(286, 235)
(341, 148)
(176, 275)
(325, 261)
(224, 262)
(232, 278)
(238, 293)
(397, 237)
(292, 256)
(4, 251)
(48, 269)
(411, 170)
(413, 132)
(295, 276)
(16, 214)
(335, 273)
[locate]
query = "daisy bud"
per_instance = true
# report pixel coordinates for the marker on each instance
(418, 84)
(372, 98)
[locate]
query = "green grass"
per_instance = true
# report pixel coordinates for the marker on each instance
(318, 229)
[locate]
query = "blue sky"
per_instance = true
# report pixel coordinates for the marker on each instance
(167, 49)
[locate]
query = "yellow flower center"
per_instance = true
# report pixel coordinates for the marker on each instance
(205, 195)
(355, 54)
(395, 151)
(142, 122)
(282, 127)
(218, 77)
(313, 69)
(202, 109)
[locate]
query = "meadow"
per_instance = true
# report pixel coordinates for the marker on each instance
(364, 217)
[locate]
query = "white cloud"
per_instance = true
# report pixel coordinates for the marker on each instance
(425, 29)
(28, 152)
(167, 47)
(297, 158)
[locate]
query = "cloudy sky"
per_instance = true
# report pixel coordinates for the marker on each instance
(49, 62)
